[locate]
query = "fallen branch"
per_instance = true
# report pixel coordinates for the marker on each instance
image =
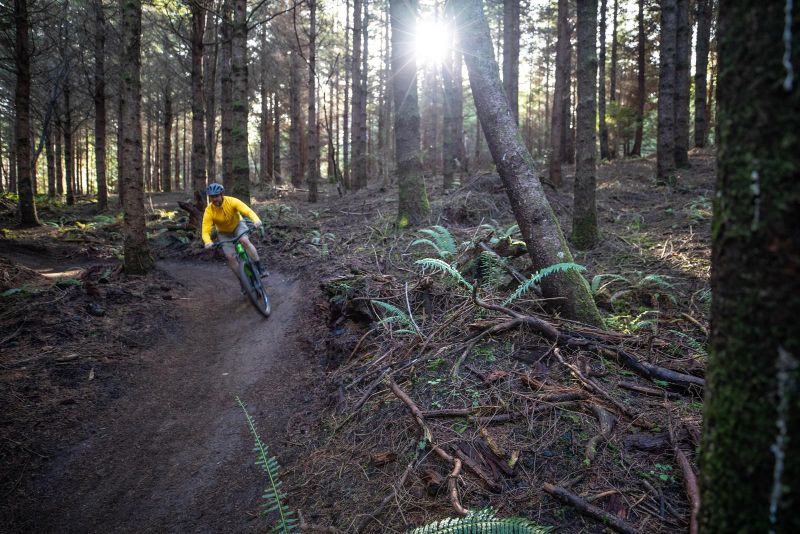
(689, 478)
(452, 481)
(607, 423)
(589, 509)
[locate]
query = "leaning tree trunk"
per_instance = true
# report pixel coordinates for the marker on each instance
(537, 222)
(701, 71)
(137, 258)
(560, 95)
(239, 136)
(750, 454)
(198, 9)
(665, 156)
(640, 84)
(313, 132)
(511, 54)
(584, 215)
(22, 107)
(413, 199)
(601, 91)
(683, 45)
(100, 105)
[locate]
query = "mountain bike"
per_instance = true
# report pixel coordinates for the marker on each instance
(249, 276)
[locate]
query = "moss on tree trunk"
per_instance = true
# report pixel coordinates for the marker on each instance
(750, 462)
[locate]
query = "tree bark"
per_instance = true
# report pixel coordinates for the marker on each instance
(584, 215)
(511, 54)
(265, 123)
(683, 46)
(51, 164)
(348, 69)
(636, 150)
(560, 95)
(701, 71)
(313, 132)
(166, 150)
(360, 164)
(450, 137)
(750, 453)
(198, 9)
(296, 126)
(148, 156)
(226, 94)
(538, 224)
(210, 58)
(355, 104)
(276, 140)
(137, 258)
(239, 134)
(413, 199)
(69, 153)
(100, 105)
(601, 96)
(59, 169)
(22, 108)
(665, 157)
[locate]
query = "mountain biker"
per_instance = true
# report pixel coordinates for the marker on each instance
(226, 214)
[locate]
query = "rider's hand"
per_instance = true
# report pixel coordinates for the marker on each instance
(258, 224)
(209, 245)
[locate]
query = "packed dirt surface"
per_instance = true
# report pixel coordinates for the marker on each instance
(174, 453)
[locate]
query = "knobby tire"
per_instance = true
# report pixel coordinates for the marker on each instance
(254, 289)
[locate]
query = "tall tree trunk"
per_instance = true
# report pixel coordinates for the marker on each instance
(313, 132)
(276, 140)
(511, 54)
(683, 47)
(137, 258)
(355, 119)
(538, 223)
(568, 133)
(265, 123)
(384, 108)
(601, 96)
(348, 69)
(69, 153)
(51, 164)
(458, 108)
(166, 152)
(59, 169)
(665, 157)
(413, 204)
(22, 107)
(12, 158)
(239, 134)
(226, 94)
(157, 156)
(560, 95)
(701, 71)
(449, 139)
(148, 155)
(360, 163)
(120, 191)
(210, 58)
(641, 89)
(613, 76)
(750, 453)
(584, 216)
(100, 105)
(198, 9)
(296, 125)
(177, 162)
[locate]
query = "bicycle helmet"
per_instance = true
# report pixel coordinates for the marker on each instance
(215, 189)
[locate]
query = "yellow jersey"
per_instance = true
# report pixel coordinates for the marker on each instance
(226, 217)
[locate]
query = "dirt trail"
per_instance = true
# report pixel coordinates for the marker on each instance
(174, 453)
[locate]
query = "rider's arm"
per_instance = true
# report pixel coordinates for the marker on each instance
(207, 225)
(245, 210)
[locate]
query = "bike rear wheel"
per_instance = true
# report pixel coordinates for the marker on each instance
(251, 282)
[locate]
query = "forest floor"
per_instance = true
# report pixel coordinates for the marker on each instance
(119, 391)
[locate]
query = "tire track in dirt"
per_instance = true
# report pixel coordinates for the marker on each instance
(174, 453)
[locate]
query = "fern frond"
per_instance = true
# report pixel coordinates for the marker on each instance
(510, 231)
(274, 498)
(396, 315)
(417, 242)
(539, 276)
(439, 265)
(443, 240)
(482, 521)
(492, 268)
(598, 278)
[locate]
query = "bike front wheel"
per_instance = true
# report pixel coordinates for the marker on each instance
(254, 288)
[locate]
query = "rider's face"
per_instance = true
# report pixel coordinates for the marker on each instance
(216, 200)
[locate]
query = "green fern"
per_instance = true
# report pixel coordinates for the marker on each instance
(439, 265)
(482, 522)
(492, 269)
(440, 239)
(539, 276)
(273, 496)
(396, 315)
